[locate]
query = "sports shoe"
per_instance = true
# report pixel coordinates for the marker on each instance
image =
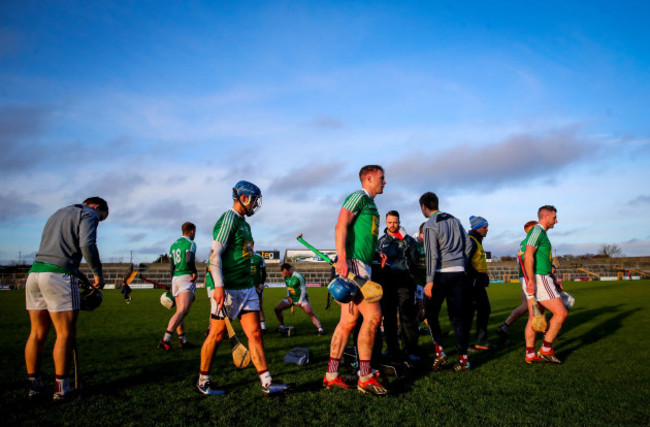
(484, 346)
(458, 367)
(164, 345)
(371, 386)
(535, 359)
(337, 382)
(549, 357)
(274, 388)
(440, 360)
(35, 391)
(67, 396)
(208, 390)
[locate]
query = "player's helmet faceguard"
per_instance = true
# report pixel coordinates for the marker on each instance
(254, 196)
(342, 290)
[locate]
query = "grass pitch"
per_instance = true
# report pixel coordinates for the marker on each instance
(128, 381)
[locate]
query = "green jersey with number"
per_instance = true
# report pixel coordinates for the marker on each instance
(543, 255)
(296, 287)
(361, 241)
(181, 252)
(257, 264)
(234, 233)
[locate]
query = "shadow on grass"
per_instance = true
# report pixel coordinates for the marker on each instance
(597, 332)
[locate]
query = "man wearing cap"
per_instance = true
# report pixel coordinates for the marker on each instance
(477, 273)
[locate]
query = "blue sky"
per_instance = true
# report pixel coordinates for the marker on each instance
(160, 107)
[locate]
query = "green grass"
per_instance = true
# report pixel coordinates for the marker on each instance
(128, 381)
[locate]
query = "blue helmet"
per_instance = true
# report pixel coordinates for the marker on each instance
(254, 194)
(342, 290)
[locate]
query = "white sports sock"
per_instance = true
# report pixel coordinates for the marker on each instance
(167, 337)
(203, 379)
(263, 325)
(265, 378)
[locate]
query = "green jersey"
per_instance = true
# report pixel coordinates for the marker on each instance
(543, 255)
(361, 241)
(257, 264)
(234, 233)
(182, 254)
(296, 287)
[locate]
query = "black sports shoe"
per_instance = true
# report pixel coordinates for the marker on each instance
(440, 360)
(67, 396)
(458, 367)
(36, 390)
(164, 345)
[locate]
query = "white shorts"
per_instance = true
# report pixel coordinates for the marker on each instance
(213, 303)
(545, 288)
(419, 292)
(53, 292)
(359, 268)
(182, 284)
(236, 301)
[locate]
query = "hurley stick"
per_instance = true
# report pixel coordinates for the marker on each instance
(372, 291)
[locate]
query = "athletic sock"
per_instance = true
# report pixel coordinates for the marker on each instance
(265, 378)
(364, 368)
(62, 385)
(464, 360)
(35, 380)
(263, 325)
(182, 338)
(530, 352)
(333, 366)
(546, 347)
(439, 350)
(504, 327)
(168, 336)
(203, 378)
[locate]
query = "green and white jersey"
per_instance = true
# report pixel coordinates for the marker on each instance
(257, 264)
(361, 241)
(232, 231)
(182, 254)
(296, 287)
(543, 255)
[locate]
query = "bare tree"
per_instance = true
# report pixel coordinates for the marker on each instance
(610, 251)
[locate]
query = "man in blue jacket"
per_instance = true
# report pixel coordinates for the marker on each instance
(398, 280)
